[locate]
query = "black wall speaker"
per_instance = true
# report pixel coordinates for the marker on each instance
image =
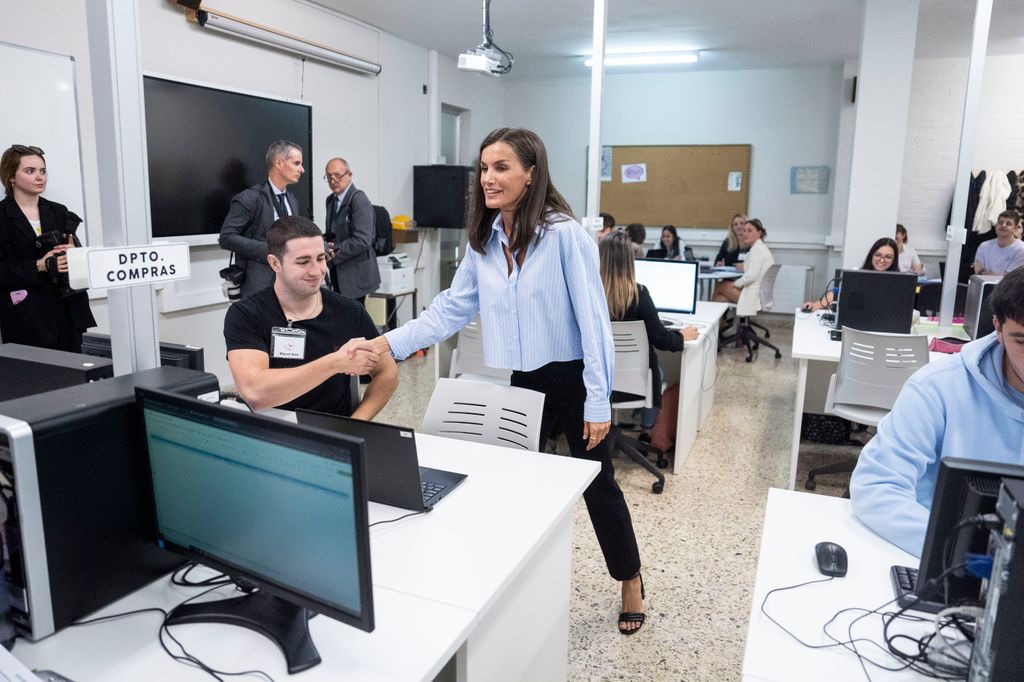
(439, 195)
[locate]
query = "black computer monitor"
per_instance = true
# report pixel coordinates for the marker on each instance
(671, 283)
(271, 503)
(171, 354)
(877, 301)
(964, 488)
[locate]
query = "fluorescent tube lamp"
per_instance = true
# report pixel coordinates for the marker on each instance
(225, 23)
(648, 59)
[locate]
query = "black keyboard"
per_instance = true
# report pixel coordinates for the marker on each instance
(430, 489)
(904, 580)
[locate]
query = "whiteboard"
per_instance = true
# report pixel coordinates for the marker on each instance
(40, 108)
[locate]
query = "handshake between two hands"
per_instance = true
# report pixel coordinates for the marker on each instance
(361, 356)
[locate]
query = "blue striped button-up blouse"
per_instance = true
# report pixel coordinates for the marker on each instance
(552, 309)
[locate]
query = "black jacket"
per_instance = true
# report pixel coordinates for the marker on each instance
(245, 232)
(44, 317)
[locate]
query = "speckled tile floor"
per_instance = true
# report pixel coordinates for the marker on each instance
(699, 540)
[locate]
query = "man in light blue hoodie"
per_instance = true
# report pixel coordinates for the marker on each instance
(967, 405)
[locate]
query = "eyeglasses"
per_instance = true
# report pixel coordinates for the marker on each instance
(27, 149)
(336, 176)
(884, 256)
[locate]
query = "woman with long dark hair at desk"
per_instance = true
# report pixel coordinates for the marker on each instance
(532, 273)
(883, 256)
(37, 307)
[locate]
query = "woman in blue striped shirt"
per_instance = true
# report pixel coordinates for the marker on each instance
(532, 274)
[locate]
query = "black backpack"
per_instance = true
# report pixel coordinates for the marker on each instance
(383, 243)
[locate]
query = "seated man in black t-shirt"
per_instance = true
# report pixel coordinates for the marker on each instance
(290, 345)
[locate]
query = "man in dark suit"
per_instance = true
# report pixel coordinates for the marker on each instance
(350, 232)
(255, 209)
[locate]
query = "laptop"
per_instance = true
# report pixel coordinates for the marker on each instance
(393, 474)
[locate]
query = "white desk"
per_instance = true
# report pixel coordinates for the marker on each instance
(794, 523)
(707, 280)
(818, 357)
(485, 577)
(697, 369)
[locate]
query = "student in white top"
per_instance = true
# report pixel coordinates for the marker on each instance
(745, 291)
(1004, 253)
(909, 262)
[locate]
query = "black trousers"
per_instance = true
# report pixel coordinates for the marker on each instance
(564, 396)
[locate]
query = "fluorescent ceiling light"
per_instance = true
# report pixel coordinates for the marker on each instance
(647, 59)
(225, 23)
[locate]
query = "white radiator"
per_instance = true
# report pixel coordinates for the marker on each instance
(792, 287)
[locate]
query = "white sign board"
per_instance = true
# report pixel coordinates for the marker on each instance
(126, 266)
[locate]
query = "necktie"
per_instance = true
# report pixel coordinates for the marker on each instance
(332, 212)
(282, 207)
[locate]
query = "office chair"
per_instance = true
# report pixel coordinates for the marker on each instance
(929, 299)
(468, 358)
(485, 413)
(632, 388)
(872, 369)
(745, 325)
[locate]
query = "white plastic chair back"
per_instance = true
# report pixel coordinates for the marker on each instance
(767, 289)
(485, 413)
(632, 363)
(468, 358)
(872, 370)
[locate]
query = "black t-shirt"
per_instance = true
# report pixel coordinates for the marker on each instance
(249, 322)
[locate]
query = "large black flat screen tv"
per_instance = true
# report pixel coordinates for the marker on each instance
(206, 145)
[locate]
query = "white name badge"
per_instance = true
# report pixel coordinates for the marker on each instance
(289, 343)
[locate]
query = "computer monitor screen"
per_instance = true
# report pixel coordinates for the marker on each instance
(877, 301)
(964, 488)
(265, 501)
(171, 354)
(671, 283)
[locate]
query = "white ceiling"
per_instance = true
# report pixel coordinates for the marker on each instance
(548, 37)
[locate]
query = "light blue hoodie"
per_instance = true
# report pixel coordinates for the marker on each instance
(959, 406)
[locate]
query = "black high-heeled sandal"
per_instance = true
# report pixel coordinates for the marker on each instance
(633, 616)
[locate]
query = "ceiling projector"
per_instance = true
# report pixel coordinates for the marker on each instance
(482, 60)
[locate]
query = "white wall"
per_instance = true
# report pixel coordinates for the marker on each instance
(789, 116)
(933, 135)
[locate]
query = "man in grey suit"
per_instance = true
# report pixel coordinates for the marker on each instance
(350, 232)
(255, 209)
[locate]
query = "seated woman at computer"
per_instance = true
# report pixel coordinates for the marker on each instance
(732, 253)
(881, 258)
(627, 301)
(908, 260)
(970, 405)
(533, 275)
(1004, 253)
(745, 291)
(671, 246)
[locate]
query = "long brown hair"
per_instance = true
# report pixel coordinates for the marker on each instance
(540, 200)
(617, 274)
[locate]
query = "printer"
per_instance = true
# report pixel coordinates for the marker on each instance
(396, 273)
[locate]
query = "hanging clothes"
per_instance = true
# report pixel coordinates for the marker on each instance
(992, 201)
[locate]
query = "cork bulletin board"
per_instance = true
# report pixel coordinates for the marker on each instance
(683, 185)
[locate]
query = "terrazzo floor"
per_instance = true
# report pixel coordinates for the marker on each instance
(699, 540)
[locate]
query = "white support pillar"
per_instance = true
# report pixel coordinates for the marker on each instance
(124, 189)
(883, 99)
(956, 232)
(596, 96)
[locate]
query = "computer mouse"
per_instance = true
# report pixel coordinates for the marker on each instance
(831, 559)
(806, 309)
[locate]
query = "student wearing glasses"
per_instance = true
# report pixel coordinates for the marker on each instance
(882, 257)
(37, 306)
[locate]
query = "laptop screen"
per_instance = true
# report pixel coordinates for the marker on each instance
(671, 283)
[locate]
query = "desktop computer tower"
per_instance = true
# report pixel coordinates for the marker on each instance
(977, 311)
(998, 652)
(80, 527)
(25, 370)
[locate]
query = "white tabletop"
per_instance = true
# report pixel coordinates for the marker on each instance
(794, 523)
(434, 576)
(811, 340)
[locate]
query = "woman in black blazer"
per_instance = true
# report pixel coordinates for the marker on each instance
(37, 308)
(628, 301)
